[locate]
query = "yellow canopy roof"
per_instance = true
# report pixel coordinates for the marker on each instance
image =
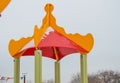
(86, 42)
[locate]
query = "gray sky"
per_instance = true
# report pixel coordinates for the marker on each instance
(99, 17)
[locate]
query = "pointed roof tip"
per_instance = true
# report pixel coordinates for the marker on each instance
(49, 7)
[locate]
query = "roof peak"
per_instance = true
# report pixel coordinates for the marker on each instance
(49, 8)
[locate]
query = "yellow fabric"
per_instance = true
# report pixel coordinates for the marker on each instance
(3, 4)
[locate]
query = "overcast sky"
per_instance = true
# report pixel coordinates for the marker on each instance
(99, 17)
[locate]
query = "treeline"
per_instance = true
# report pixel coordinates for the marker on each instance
(99, 77)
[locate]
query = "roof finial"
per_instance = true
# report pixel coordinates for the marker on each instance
(49, 7)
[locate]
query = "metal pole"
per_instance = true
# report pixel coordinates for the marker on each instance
(17, 70)
(24, 78)
(84, 76)
(57, 72)
(38, 66)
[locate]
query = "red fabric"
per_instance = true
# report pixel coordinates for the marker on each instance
(54, 39)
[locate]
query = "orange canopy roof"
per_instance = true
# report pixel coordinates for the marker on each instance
(3, 4)
(64, 43)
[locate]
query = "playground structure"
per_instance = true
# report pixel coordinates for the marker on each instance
(3, 5)
(55, 44)
(4, 79)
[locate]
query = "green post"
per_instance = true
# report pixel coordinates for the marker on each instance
(57, 72)
(17, 70)
(84, 76)
(38, 66)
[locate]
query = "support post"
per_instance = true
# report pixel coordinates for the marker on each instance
(57, 72)
(17, 70)
(38, 66)
(84, 76)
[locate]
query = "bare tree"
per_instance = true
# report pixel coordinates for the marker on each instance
(93, 79)
(100, 77)
(109, 77)
(75, 78)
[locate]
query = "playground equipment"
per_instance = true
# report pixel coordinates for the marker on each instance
(4, 79)
(55, 44)
(3, 5)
